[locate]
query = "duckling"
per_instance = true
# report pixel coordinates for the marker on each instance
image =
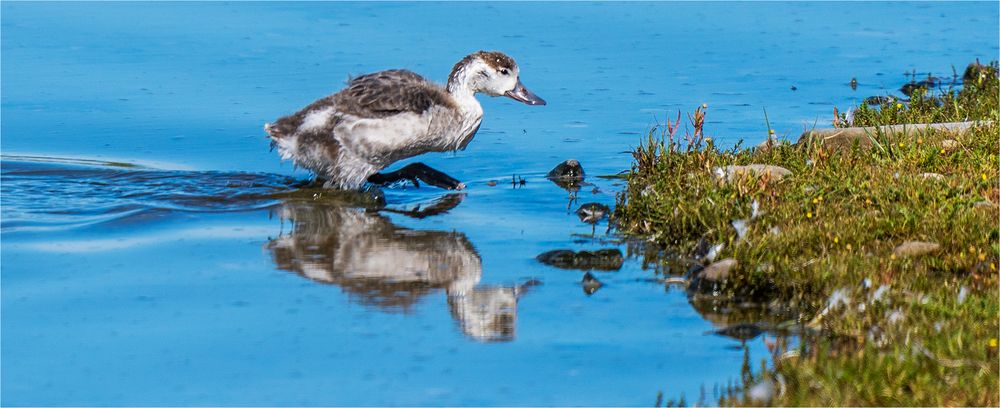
(380, 118)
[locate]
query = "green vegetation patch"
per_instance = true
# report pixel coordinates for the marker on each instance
(889, 253)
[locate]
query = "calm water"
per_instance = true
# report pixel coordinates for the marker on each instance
(197, 276)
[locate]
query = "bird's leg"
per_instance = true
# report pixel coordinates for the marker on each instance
(417, 171)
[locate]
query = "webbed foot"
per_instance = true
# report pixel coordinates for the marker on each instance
(417, 171)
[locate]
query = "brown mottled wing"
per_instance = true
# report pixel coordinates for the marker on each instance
(388, 93)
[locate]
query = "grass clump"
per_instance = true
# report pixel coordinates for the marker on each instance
(878, 326)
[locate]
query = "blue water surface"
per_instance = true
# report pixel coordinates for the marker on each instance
(185, 281)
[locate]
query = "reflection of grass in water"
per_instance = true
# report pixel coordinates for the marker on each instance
(883, 329)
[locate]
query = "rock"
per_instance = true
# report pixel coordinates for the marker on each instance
(568, 174)
(880, 100)
(915, 248)
(604, 259)
(935, 176)
(590, 284)
(977, 72)
(730, 173)
(949, 144)
(710, 278)
(591, 213)
(718, 271)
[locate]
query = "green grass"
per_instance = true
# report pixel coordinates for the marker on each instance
(830, 227)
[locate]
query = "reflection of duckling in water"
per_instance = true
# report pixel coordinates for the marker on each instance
(592, 213)
(390, 268)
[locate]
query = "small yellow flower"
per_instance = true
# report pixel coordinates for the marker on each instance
(982, 256)
(942, 151)
(972, 248)
(815, 201)
(820, 198)
(849, 248)
(984, 176)
(836, 240)
(901, 144)
(868, 201)
(899, 106)
(993, 342)
(993, 266)
(809, 214)
(920, 141)
(893, 257)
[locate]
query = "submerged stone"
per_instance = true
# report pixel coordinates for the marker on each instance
(915, 248)
(741, 332)
(603, 259)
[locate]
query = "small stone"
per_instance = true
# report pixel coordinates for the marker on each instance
(934, 176)
(915, 248)
(567, 170)
(590, 284)
(568, 175)
(718, 271)
(949, 144)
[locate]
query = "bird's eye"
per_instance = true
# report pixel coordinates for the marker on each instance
(504, 71)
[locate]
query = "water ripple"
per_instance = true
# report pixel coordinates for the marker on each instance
(53, 193)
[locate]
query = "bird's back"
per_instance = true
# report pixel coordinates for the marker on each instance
(310, 137)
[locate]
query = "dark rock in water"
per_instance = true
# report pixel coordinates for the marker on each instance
(590, 284)
(854, 84)
(604, 259)
(568, 174)
(976, 72)
(908, 89)
(591, 213)
(880, 100)
(741, 332)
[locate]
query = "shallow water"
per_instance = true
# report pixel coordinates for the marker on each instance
(198, 275)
